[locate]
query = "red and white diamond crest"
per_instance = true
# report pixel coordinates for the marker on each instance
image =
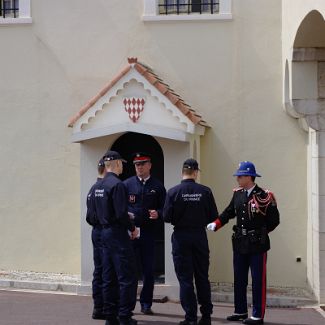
(134, 107)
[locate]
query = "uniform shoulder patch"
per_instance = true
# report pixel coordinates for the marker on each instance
(269, 196)
(237, 189)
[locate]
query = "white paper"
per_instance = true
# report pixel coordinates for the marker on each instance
(131, 215)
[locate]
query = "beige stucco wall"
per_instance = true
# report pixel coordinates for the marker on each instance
(231, 71)
(39, 190)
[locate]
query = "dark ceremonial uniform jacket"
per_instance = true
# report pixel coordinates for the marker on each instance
(190, 205)
(91, 216)
(111, 202)
(257, 215)
(145, 197)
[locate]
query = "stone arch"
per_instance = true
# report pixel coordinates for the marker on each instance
(304, 96)
(310, 32)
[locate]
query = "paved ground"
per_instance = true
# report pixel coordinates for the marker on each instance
(34, 308)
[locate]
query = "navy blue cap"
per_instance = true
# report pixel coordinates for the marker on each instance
(113, 155)
(191, 164)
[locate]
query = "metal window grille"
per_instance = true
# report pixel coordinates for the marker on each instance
(9, 8)
(178, 7)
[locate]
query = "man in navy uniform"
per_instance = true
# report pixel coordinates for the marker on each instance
(257, 215)
(119, 268)
(189, 207)
(146, 197)
(96, 233)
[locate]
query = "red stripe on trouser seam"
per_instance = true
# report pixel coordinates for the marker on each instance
(263, 286)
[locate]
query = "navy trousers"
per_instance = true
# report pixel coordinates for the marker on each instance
(146, 246)
(191, 259)
(98, 267)
(257, 265)
(119, 273)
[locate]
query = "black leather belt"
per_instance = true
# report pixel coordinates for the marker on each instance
(245, 232)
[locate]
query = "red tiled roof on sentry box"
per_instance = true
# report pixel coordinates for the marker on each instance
(147, 73)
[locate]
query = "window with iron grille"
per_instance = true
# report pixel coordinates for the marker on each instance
(9, 8)
(178, 7)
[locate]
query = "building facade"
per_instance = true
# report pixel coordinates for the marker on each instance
(221, 81)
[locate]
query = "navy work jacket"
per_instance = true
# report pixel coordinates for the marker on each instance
(91, 216)
(110, 200)
(190, 205)
(144, 197)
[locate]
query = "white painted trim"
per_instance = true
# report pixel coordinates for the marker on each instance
(151, 13)
(15, 21)
(133, 74)
(24, 9)
(150, 7)
(24, 15)
(225, 7)
(153, 130)
(192, 17)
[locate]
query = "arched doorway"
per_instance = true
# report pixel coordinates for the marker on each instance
(127, 145)
(305, 100)
(130, 143)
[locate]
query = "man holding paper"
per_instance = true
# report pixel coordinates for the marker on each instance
(146, 197)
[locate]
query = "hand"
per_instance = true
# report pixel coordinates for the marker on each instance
(212, 226)
(131, 215)
(153, 214)
(135, 233)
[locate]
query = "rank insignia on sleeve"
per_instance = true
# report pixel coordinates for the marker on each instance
(132, 198)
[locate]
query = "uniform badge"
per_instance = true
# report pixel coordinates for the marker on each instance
(132, 198)
(253, 207)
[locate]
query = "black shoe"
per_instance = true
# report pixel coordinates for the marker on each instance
(187, 322)
(147, 311)
(98, 314)
(128, 321)
(205, 320)
(112, 321)
(253, 321)
(235, 317)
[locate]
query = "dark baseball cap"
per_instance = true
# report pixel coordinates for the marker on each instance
(191, 164)
(113, 155)
(101, 162)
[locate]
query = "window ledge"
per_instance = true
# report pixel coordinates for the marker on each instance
(191, 17)
(15, 21)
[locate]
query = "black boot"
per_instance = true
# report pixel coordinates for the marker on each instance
(147, 311)
(235, 317)
(112, 321)
(98, 314)
(187, 322)
(205, 320)
(128, 321)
